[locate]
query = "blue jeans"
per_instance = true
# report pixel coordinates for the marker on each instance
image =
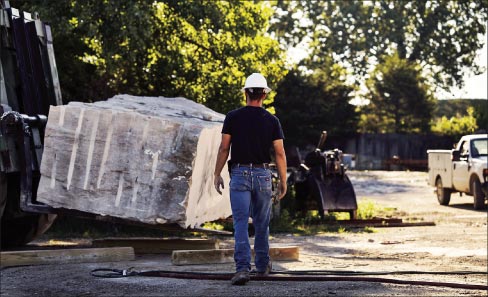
(250, 195)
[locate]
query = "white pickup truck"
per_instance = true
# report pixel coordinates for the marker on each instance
(463, 170)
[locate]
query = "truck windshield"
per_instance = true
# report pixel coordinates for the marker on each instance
(479, 147)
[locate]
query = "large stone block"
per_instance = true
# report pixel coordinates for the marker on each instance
(147, 159)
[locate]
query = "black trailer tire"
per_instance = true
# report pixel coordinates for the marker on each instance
(22, 230)
(478, 195)
(443, 194)
(3, 193)
(18, 228)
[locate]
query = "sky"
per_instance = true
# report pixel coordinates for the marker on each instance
(476, 87)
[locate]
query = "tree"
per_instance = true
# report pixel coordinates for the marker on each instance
(460, 107)
(456, 126)
(400, 99)
(309, 104)
(202, 50)
(441, 36)
(480, 113)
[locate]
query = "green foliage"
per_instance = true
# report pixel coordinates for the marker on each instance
(368, 209)
(400, 99)
(459, 107)
(79, 81)
(442, 36)
(213, 226)
(311, 223)
(452, 107)
(309, 104)
(370, 230)
(284, 223)
(456, 126)
(480, 113)
(202, 50)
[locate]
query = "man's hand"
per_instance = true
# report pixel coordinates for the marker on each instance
(282, 190)
(222, 156)
(218, 182)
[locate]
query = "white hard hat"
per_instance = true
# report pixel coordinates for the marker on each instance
(256, 80)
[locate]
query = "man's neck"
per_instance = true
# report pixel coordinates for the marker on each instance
(255, 103)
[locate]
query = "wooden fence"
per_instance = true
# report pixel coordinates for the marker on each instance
(389, 151)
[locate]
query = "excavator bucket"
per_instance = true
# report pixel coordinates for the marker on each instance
(336, 193)
(321, 182)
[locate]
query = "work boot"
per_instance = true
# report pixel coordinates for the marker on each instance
(266, 272)
(240, 278)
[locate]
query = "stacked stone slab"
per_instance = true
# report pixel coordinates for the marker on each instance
(146, 159)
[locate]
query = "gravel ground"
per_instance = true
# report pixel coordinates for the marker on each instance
(457, 242)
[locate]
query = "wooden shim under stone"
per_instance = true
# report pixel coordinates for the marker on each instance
(63, 256)
(190, 257)
(146, 159)
(157, 245)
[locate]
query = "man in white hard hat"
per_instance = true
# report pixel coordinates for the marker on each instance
(251, 132)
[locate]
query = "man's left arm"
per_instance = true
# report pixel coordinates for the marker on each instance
(280, 159)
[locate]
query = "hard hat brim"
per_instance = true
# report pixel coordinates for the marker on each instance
(266, 90)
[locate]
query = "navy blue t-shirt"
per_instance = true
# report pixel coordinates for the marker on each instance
(253, 130)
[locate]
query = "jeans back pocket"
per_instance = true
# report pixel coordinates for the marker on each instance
(264, 182)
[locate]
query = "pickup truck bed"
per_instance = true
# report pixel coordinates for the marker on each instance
(462, 170)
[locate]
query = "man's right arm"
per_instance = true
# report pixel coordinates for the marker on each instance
(280, 159)
(222, 157)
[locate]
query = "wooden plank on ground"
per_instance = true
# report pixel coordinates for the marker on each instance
(88, 255)
(189, 257)
(382, 224)
(288, 253)
(158, 245)
(407, 224)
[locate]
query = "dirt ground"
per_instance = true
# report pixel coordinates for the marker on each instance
(458, 242)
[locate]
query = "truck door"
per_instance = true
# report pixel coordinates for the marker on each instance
(460, 171)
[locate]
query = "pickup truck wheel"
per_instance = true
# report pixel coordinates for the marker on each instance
(443, 194)
(479, 197)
